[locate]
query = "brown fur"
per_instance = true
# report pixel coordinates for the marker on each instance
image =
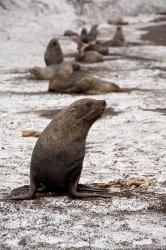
(81, 83)
(53, 54)
(89, 57)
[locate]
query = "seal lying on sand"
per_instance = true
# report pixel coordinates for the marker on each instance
(89, 57)
(50, 71)
(118, 39)
(79, 83)
(57, 158)
(97, 46)
(70, 33)
(53, 54)
(117, 22)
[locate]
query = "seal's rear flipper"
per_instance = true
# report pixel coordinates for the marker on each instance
(82, 187)
(75, 194)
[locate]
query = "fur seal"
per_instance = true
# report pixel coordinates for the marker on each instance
(77, 83)
(53, 54)
(90, 36)
(55, 165)
(118, 39)
(93, 33)
(97, 46)
(84, 36)
(70, 33)
(50, 71)
(89, 57)
(117, 22)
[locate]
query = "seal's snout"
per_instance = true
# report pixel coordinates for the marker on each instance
(103, 105)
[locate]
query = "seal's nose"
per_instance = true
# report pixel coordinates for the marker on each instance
(102, 105)
(103, 102)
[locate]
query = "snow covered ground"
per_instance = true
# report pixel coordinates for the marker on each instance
(132, 143)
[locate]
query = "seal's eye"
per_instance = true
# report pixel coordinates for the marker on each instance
(88, 104)
(72, 109)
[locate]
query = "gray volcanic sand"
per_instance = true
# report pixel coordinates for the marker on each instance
(130, 141)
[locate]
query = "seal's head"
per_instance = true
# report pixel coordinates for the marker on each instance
(119, 28)
(85, 111)
(53, 43)
(37, 72)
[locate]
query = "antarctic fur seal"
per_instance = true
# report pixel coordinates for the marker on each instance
(93, 33)
(90, 36)
(117, 22)
(55, 165)
(89, 57)
(70, 33)
(97, 46)
(80, 83)
(53, 53)
(84, 36)
(50, 71)
(118, 39)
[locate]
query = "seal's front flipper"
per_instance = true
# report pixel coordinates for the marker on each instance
(41, 189)
(24, 188)
(27, 196)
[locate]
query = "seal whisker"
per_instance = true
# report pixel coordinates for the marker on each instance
(80, 119)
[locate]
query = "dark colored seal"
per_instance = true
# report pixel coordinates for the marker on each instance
(92, 36)
(118, 39)
(87, 37)
(53, 54)
(57, 158)
(84, 36)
